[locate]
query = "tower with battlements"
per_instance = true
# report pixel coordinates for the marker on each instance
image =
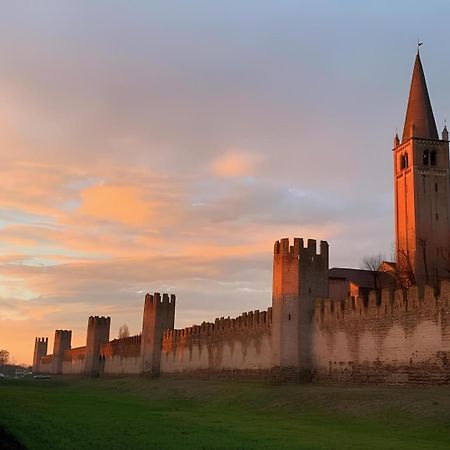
(97, 334)
(40, 350)
(421, 185)
(159, 316)
(300, 274)
(62, 342)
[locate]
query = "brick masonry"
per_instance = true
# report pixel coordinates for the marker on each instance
(401, 337)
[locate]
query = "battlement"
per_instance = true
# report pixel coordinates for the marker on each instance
(388, 303)
(62, 332)
(247, 322)
(156, 299)
(99, 321)
(41, 340)
(283, 247)
(123, 347)
(75, 354)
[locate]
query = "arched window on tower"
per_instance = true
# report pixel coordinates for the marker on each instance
(406, 160)
(426, 158)
(433, 158)
(402, 162)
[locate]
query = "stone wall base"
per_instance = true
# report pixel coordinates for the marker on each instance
(436, 371)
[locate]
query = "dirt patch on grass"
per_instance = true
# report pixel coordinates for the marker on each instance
(8, 441)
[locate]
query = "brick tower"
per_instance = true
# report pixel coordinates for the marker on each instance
(159, 316)
(422, 201)
(97, 334)
(40, 350)
(300, 275)
(62, 342)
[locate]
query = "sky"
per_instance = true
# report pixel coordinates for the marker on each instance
(164, 146)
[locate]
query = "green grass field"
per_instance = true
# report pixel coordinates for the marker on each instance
(199, 414)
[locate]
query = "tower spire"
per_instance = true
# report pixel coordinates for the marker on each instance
(419, 121)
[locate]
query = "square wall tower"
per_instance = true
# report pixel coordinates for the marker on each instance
(97, 334)
(40, 350)
(300, 275)
(159, 316)
(62, 342)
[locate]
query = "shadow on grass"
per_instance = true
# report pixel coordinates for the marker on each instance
(8, 441)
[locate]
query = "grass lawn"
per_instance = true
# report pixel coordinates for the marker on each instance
(182, 413)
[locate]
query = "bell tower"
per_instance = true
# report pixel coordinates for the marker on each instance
(421, 185)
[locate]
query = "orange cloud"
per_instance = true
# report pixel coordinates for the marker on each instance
(71, 248)
(235, 164)
(124, 204)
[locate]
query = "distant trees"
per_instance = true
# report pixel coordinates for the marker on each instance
(124, 331)
(4, 357)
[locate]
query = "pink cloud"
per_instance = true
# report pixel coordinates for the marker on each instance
(123, 204)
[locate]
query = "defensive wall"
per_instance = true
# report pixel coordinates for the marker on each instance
(396, 336)
(122, 356)
(67, 360)
(385, 336)
(74, 361)
(331, 327)
(242, 343)
(45, 365)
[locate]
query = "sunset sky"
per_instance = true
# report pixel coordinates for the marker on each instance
(164, 146)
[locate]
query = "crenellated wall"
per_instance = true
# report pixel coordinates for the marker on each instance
(46, 364)
(400, 336)
(74, 361)
(122, 356)
(389, 336)
(242, 344)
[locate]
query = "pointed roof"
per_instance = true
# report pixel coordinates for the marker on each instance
(419, 113)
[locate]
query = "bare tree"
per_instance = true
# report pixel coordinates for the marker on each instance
(4, 357)
(372, 263)
(405, 271)
(124, 332)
